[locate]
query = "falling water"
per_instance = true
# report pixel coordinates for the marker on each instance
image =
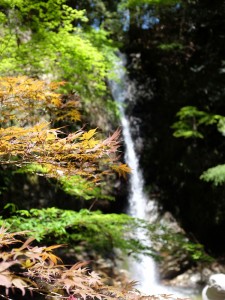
(144, 270)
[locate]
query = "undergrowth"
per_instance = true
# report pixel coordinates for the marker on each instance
(24, 268)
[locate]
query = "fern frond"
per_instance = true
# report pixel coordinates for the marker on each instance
(216, 175)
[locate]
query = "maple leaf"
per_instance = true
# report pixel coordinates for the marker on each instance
(27, 264)
(73, 115)
(79, 265)
(50, 248)
(30, 96)
(5, 280)
(122, 169)
(6, 265)
(88, 135)
(20, 284)
(7, 238)
(94, 279)
(25, 245)
(129, 286)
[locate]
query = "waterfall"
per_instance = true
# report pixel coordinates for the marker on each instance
(143, 270)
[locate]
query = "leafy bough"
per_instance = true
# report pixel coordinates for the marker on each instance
(94, 230)
(103, 233)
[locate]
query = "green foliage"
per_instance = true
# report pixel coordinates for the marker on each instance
(196, 251)
(73, 185)
(103, 232)
(134, 3)
(32, 168)
(178, 246)
(94, 230)
(47, 14)
(190, 119)
(216, 175)
(40, 39)
(78, 186)
(171, 46)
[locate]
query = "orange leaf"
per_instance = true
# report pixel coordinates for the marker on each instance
(50, 248)
(122, 169)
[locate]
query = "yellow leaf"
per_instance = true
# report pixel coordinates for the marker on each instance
(56, 101)
(51, 136)
(73, 115)
(88, 135)
(27, 264)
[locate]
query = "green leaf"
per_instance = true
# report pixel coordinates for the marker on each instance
(191, 119)
(96, 230)
(216, 175)
(78, 186)
(187, 134)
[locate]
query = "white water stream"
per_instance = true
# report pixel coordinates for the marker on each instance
(144, 271)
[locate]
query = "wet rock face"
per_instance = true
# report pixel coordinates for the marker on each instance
(191, 279)
(194, 277)
(175, 264)
(176, 268)
(171, 267)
